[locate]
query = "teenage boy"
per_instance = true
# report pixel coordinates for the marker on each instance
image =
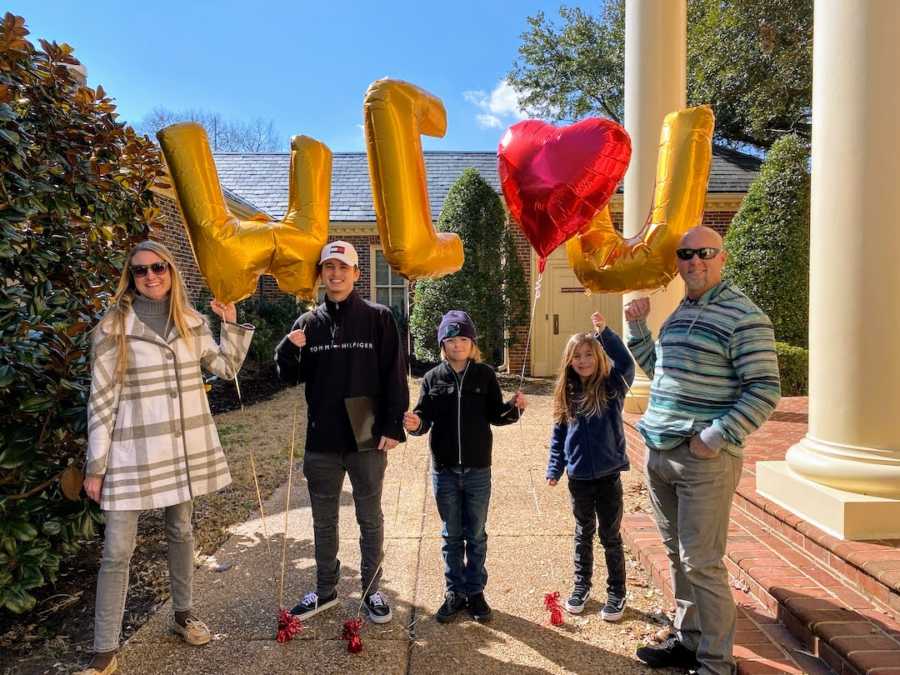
(346, 349)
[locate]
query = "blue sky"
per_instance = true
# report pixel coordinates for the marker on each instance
(304, 65)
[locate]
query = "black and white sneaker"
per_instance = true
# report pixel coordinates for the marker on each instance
(575, 603)
(312, 604)
(613, 609)
(377, 608)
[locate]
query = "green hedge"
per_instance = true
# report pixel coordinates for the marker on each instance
(75, 193)
(474, 212)
(793, 366)
(768, 241)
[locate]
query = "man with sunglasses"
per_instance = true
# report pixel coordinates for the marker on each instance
(715, 380)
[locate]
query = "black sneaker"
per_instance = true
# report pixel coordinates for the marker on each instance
(575, 603)
(312, 604)
(670, 654)
(453, 603)
(613, 609)
(478, 608)
(377, 607)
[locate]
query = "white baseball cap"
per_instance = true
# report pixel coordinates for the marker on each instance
(340, 250)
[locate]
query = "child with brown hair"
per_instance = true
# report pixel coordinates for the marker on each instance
(588, 443)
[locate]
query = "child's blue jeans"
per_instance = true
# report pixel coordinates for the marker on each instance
(462, 496)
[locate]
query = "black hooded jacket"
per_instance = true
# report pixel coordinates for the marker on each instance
(459, 409)
(352, 349)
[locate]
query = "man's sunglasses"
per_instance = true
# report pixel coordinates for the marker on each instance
(705, 253)
(159, 268)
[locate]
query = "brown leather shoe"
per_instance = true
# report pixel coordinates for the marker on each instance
(194, 631)
(94, 669)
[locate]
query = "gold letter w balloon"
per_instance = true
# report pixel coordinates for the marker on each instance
(232, 253)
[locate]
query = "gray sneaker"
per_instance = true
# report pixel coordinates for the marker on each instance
(613, 609)
(575, 603)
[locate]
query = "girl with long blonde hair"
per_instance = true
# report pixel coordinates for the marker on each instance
(152, 442)
(588, 444)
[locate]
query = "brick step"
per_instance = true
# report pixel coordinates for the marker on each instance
(762, 644)
(871, 568)
(852, 632)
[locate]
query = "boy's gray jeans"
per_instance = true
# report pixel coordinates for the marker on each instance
(691, 500)
(324, 473)
(112, 582)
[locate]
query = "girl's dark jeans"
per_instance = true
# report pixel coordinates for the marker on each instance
(598, 505)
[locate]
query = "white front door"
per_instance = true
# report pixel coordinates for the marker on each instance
(563, 310)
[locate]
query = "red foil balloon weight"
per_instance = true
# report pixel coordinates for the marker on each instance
(351, 635)
(555, 179)
(288, 626)
(551, 602)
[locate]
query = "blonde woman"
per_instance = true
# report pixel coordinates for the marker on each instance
(152, 442)
(588, 443)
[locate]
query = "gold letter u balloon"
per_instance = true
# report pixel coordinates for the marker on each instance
(604, 261)
(232, 253)
(396, 114)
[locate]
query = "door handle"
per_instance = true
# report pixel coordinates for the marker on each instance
(556, 324)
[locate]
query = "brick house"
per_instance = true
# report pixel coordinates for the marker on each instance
(255, 183)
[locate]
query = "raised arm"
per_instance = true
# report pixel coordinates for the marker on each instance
(225, 357)
(640, 339)
(288, 354)
(622, 363)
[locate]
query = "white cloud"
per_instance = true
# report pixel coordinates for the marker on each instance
(497, 109)
(488, 121)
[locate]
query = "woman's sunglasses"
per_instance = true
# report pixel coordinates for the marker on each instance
(159, 268)
(705, 253)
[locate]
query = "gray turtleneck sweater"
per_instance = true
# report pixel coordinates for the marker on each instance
(154, 313)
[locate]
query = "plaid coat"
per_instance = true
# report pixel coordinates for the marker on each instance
(152, 435)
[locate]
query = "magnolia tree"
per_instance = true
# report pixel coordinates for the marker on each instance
(74, 197)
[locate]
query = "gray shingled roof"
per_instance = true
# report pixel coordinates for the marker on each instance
(262, 179)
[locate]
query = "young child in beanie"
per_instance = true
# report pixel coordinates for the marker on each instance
(459, 401)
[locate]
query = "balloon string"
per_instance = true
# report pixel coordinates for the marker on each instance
(537, 295)
(400, 482)
(287, 507)
(262, 513)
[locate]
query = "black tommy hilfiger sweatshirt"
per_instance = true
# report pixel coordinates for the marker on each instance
(352, 349)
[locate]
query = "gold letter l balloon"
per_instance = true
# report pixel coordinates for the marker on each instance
(232, 253)
(604, 261)
(396, 114)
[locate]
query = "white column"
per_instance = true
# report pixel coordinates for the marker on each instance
(845, 474)
(854, 433)
(655, 85)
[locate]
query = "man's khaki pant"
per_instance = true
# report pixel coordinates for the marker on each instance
(691, 500)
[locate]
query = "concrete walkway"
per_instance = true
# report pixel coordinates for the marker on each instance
(530, 527)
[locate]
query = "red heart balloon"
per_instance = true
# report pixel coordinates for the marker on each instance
(555, 179)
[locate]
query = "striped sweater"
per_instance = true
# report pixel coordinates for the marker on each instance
(714, 371)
